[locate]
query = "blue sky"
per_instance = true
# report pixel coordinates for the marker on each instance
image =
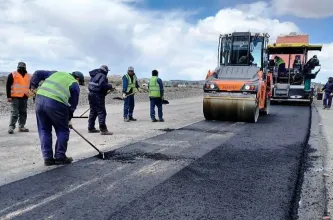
(177, 37)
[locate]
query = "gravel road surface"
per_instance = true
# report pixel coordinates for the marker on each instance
(207, 170)
(170, 94)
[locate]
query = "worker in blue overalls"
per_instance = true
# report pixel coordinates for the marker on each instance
(130, 87)
(156, 93)
(56, 101)
(98, 89)
(328, 88)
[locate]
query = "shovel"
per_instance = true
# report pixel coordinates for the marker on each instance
(165, 102)
(89, 108)
(101, 154)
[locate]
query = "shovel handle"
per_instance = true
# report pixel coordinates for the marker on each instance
(86, 140)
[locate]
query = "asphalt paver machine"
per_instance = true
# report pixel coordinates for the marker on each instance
(294, 83)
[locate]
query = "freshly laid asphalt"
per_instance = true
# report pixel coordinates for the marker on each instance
(207, 170)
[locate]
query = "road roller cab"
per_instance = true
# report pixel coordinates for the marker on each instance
(293, 83)
(240, 87)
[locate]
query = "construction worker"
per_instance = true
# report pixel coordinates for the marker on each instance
(279, 62)
(98, 88)
(56, 101)
(156, 91)
(17, 89)
(328, 88)
(130, 87)
(311, 64)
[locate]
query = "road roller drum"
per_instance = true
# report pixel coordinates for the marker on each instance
(242, 109)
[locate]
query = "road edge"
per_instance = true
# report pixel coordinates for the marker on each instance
(312, 198)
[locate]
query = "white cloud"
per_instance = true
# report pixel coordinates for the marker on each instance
(304, 8)
(84, 34)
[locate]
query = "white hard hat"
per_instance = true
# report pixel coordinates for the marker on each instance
(131, 68)
(105, 68)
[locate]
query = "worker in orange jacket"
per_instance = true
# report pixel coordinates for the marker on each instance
(17, 89)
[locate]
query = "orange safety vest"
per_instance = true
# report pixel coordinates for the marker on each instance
(20, 85)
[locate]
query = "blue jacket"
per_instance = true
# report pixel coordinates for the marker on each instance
(328, 87)
(74, 89)
(99, 82)
(159, 81)
(125, 84)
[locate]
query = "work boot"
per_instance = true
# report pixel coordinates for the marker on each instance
(106, 132)
(153, 120)
(10, 131)
(161, 120)
(132, 119)
(126, 119)
(66, 160)
(94, 130)
(23, 129)
(49, 162)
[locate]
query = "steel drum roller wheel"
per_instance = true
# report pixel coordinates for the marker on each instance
(266, 110)
(253, 113)
(207, 110)
(230, 109)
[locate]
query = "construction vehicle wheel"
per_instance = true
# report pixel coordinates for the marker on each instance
(253, 118)
(207, 110)
(266, 110)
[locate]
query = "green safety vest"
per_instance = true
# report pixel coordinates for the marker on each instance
(57, 87)
(131, 85)
(279, 61)
(154, 87)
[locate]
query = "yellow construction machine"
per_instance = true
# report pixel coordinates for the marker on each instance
(239, 89)
(293, 84)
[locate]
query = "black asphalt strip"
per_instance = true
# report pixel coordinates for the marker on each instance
(208, 170)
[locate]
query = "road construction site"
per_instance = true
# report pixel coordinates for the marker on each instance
(184, 168)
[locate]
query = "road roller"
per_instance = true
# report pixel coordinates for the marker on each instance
(239, 89)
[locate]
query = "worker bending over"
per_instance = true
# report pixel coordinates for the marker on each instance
(17, 89)
(156, 91)
(56, 101)
(98, 89)
(130, 87)
(328, 88)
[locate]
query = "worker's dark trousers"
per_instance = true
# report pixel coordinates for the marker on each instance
(52, 113)
(282, 69)
(129, 106)
(18, 112)
(327, 101)
(97, 109)
(158, 103)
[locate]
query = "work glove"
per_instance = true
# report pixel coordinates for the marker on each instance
(70, 125)
(124, 95)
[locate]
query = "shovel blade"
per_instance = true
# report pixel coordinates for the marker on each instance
(165, 102)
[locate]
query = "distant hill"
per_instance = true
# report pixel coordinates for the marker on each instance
(4, 73)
